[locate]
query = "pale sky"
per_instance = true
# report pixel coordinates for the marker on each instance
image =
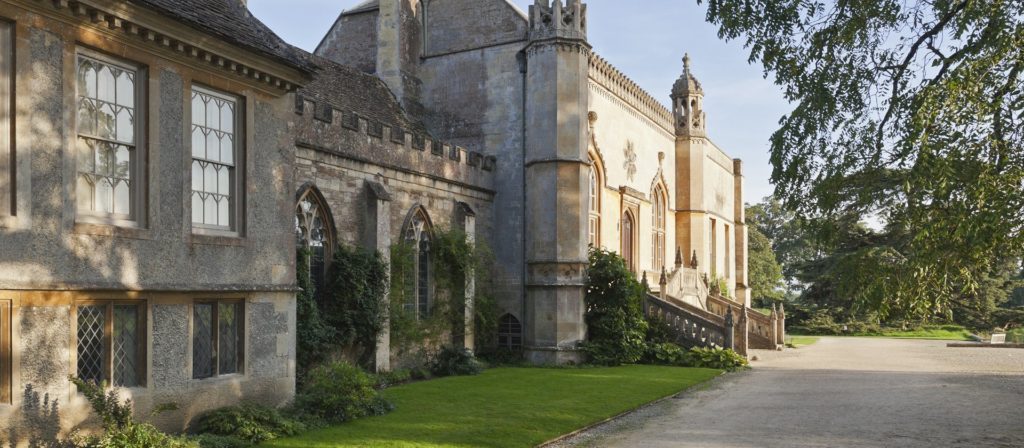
(646, 41)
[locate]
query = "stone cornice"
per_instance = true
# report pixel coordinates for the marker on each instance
(159, 32)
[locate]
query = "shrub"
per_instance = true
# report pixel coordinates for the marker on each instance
(338, 392)
(356, 309)
(715, 358)
(384, 380)
(614, 311)
(248, 422)
(215, 441)
(313, 335)
(454, 361)
(120, 430)
(665, 353)
(658, 330)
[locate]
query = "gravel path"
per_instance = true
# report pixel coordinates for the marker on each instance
(842, 392)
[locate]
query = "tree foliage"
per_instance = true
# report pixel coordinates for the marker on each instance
(355, 308)
(909, 109)
(614, 311)
(764, 270)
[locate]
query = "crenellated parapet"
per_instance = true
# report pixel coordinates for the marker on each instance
(323, 127)
(550, 19)
(612, 79)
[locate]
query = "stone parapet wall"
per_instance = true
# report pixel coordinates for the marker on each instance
(323, 127)
(606, 75)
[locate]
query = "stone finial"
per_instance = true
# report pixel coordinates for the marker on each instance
(775, 312)
(643, 282)
(679, 257)
(782, 311)
(664, 277)
(686, 62)
(687, 84)
(693, 261)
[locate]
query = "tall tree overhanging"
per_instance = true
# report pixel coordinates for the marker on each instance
(911, 109)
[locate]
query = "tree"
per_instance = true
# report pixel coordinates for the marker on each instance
(911, 110)
(614, 311)
(791, 241)
(764, 270)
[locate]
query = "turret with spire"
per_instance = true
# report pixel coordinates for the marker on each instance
(688, 103)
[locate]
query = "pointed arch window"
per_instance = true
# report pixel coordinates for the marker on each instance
(510, 333)
(594, 206)
(658, 203)
(313, 230)
(628, 226)
(417, 235)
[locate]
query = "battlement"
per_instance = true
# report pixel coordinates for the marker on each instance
(550, 19)
(322, 126)
(606, 75)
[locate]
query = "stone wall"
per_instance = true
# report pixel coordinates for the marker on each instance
(352, 40)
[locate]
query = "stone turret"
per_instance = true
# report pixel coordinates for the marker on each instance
(557, 166)
(552, 20)
(688, 103)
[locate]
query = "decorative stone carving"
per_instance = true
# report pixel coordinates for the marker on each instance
(630, 164)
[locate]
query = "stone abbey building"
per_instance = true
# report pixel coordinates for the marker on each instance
(160, 160)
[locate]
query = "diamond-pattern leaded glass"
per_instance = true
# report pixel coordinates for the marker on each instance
(106, 136)
(213, 158)
(202, 340)
(91, 343)
(227, 353)
(125, 353)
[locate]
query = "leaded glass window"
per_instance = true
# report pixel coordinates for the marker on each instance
(111, 343)
(217, 329)
(417, 235)
(658, 234)
(214, 158)
(510, 333)
(108, 101)
(313, 231)
(594, 207)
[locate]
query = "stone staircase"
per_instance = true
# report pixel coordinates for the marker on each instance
(699, 318)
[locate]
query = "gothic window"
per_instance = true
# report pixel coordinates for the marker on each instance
(7, 159)
(658, 235)
(313, 230)
(215, 151)
(510, 333)
(217, 329)
(628, 226)
(417, 235)
(109, 99)
(5, 352)
(111, 343)
(594, 208)
(728, 252)
(714, 247)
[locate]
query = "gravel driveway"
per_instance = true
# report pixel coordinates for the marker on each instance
(842, 392)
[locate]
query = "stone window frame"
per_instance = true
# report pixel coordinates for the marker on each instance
(215, 335)
(8, 150)
(510, 329)
(728, 252)
(239, 161)
(313, 194)
(594, 196)
(418, 230)
(713, 239)
(6, 352)
(659, 212)
(142, 338)
(630, 212)
(140, 159)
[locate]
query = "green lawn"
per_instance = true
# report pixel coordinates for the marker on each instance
(801, 341)
(504, 407)
(945, 332)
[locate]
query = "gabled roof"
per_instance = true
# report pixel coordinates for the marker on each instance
(232, 22)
